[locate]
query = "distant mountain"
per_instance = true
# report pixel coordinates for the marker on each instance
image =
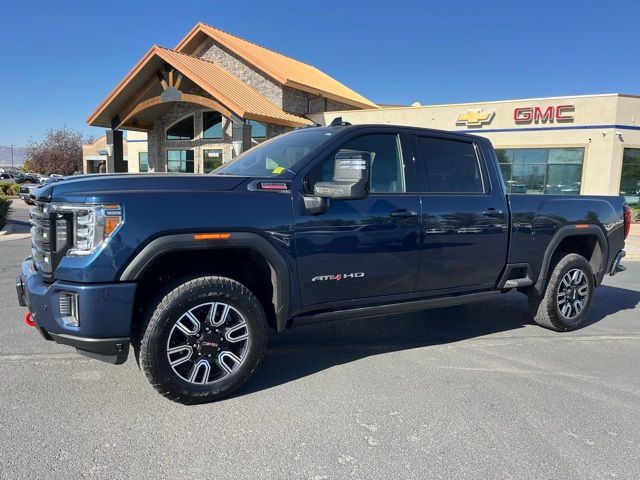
(5, 156)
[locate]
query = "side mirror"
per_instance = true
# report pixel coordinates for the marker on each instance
(351, 177)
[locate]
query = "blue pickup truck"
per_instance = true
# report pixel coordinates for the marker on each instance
(319, 224)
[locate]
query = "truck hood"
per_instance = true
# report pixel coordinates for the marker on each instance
(106, 184)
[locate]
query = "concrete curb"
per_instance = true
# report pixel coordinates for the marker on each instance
(8, 228)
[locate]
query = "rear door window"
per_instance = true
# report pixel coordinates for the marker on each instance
(452, 166)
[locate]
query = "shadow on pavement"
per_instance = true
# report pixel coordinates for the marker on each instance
(610, 300)
(307, 350)
(20, 226)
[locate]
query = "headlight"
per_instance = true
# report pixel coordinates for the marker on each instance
(80, 229)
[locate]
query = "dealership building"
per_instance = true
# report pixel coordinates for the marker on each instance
(216, 95)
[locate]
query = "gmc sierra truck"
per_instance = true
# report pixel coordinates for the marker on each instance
(319, 224)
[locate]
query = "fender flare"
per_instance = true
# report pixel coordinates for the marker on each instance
(186, 242)
(560, 235)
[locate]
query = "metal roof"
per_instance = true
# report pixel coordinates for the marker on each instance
(283, 69)
(228, 90)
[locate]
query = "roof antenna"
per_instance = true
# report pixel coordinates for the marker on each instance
(337, 122)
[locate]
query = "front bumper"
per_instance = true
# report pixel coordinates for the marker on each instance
(105, 313)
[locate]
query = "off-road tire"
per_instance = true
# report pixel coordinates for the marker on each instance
(545, 310)
(155, 333)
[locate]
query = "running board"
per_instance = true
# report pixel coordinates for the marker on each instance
(392, 308)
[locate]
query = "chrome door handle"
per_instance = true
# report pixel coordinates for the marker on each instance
(404, 213)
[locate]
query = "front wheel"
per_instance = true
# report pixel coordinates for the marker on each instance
(568, 295)
(204, 340)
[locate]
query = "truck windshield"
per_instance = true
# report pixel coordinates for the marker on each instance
(276, 156)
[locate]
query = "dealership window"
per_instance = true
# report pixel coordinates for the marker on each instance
(556, 171)
(143, 161)
(180, 161)
(182, 130)
(212, 125)
(258, 130)
(212, 159)
(630, 179)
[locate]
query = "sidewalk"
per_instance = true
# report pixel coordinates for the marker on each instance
(632, 244)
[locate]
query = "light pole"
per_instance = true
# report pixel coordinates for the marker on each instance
(12, 155)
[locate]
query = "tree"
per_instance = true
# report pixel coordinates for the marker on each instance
(59, 152)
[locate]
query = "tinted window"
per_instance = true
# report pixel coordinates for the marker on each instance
(183, 130)
(387, 168)
(180, 161)
(630, 179)
(452, 166)
(211, 125)
(143, 161)
(258, 130)
(212, 159)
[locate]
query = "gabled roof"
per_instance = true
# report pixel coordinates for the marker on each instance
(228, 90)
(281, 68)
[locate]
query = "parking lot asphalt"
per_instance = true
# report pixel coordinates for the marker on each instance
(462, 392)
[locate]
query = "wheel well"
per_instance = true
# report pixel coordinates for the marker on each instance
(584, 245)
(244, 265)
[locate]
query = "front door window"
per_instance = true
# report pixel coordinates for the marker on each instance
(212, 159)
(387, 168)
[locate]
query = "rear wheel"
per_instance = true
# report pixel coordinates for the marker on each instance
(568, 294)
(204, 340)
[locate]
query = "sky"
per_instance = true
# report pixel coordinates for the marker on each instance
(60, 59)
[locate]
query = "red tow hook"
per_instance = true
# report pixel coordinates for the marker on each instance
(28, 320)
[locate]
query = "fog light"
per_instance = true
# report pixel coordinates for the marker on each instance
(69, 309)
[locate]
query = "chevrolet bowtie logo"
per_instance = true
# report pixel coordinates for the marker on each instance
(474, 118)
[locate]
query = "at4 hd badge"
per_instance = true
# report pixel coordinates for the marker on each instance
(336, 277)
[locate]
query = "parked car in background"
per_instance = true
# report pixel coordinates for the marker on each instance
(515, 187)
(27, 188)
(18, 176)
(31, 178)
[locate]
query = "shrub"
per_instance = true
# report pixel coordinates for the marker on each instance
(15, 189)
(635, 213)
(5, 210)
(5, 188)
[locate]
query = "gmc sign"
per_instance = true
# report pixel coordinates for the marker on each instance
(550, 114)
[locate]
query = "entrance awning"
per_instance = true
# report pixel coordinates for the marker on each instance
(158, 80)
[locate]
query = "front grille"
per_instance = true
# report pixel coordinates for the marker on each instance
(41, 237)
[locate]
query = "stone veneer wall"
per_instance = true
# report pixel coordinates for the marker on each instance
(287, 98)
(238, 67)
(297, 101)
